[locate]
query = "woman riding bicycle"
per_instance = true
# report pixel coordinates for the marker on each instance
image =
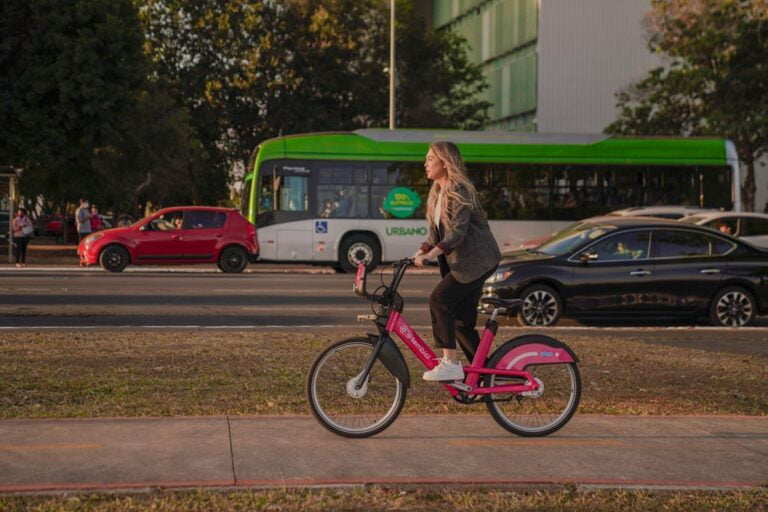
(460, 239)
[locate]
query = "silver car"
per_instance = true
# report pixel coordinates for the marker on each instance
(747, 226)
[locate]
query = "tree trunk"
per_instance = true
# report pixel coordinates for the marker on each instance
(749, 188)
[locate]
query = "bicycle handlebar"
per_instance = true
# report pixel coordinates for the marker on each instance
(360, 280)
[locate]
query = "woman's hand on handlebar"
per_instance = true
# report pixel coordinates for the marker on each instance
(419, 258)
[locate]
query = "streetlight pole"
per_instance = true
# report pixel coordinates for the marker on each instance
(392, 65)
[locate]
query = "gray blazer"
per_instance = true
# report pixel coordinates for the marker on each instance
(470, 248)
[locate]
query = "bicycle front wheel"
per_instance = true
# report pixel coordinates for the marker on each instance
(334, 399)
(543, 411)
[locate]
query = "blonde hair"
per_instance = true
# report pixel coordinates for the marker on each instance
(453, 199)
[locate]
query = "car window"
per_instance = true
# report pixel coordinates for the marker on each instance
(728, 225)
(622, 246)
(571, 238)
(718, 246)
(754, 226)
(682, 244)
(201, 219)
(166, 222)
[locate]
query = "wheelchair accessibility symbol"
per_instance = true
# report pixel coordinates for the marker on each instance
(321, 226)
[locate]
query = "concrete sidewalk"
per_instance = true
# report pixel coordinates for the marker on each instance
(230, 452)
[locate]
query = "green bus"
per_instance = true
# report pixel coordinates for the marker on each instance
(342, 198)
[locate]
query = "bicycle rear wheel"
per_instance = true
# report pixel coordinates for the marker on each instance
(344, 410)
(541, 412)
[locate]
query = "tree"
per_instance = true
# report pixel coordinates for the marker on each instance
(716, 82)
(159, 158)
(68, 78)
(251, 70)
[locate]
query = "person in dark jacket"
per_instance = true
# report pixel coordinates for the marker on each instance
(467, 252)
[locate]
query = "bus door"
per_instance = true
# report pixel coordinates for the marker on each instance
(285, 217)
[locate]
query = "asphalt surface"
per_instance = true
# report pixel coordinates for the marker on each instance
(274, 297)
(687, 452)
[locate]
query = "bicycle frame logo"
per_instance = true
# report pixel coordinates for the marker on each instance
(398, 325)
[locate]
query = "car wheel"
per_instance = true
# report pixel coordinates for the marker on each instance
(541, 307)
(732, 306)
(114, 258)
(233, 260)
(359, 248)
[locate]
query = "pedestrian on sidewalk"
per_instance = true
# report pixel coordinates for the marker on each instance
(83, 220)
(22, 231)
(467, 252)
(97, 223)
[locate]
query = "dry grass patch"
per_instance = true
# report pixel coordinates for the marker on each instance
(162, 373)
(378, 499)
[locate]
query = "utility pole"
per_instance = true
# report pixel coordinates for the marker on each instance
(392, 65)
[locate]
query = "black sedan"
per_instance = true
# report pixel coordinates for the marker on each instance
(635, 267)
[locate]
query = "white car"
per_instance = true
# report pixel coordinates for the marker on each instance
(748, 226)
(662, 212)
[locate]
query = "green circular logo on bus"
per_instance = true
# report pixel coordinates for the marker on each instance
(401, 202)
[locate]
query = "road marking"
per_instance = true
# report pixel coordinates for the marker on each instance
(534, 442)
(47, 447)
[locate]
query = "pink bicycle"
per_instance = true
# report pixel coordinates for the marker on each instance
(357, 386)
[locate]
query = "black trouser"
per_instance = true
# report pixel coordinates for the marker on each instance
(20, 248)
(453, 306)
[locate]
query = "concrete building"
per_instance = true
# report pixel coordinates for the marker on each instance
(556, 65)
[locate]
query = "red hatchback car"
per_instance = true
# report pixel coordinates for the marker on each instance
(175, 236)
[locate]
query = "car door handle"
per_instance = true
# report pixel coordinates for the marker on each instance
(175, 237)
(710, 271)
(640, 273)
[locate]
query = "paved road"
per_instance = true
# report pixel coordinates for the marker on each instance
(163, 298)
(195, 299)
(606, 451)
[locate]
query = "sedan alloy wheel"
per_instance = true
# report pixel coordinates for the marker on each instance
(541, 306)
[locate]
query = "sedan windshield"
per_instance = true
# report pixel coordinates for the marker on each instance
(571, 238)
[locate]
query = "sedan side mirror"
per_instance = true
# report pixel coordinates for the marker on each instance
(588, 256)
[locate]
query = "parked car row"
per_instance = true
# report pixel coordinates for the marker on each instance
(636, 266)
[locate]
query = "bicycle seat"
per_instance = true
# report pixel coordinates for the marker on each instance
(508, 304)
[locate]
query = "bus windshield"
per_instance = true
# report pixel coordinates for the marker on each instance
(572, 237)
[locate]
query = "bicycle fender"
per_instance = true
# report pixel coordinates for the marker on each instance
(393, 359)
(530, 349)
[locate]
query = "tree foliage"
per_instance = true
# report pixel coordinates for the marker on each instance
(248, 70)
(68, 76)
(129, 101)
(716, 81)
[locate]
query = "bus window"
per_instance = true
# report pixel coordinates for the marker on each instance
(575, 192)
(292, 193)
(342, 190)
(283, 193)
(518, 191)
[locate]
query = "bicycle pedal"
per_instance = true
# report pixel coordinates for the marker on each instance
(458, 385)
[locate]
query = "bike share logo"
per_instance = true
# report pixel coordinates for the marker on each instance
(409, 336)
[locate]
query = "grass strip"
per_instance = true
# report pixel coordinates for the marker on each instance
(160, 373)
(387, 499)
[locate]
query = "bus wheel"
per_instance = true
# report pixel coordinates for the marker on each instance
(357, 248)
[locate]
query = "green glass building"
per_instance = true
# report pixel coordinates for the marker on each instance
(502, 35)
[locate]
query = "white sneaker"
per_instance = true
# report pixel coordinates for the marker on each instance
(446, 370)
